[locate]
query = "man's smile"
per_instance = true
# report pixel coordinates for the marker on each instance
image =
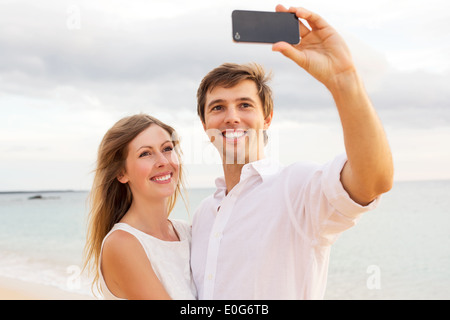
(233, 134)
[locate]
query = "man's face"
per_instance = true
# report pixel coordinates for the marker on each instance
(234, 121)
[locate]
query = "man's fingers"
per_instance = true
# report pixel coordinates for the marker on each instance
(314, 20)
(281, 8)
(290, 52)
(304, 30)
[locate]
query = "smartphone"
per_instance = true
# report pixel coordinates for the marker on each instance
(265, 27)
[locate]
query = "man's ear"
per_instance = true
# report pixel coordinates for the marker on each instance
(268, 120)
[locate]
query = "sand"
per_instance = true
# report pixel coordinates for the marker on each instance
(14, 289)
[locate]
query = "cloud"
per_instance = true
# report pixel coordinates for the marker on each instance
(415, 99)
(62, 84)
(153, 60)
(121, 58)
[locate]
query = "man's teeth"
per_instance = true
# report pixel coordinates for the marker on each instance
(234, 134)
(162, 178)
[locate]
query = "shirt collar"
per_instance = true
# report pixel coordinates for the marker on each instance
(264, 168)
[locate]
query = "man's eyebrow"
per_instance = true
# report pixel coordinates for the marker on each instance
(150, 147)
(246, 99)
(215, 102)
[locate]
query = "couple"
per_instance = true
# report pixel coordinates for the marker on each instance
(266, 232)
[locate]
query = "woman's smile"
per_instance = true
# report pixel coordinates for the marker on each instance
(163, 178)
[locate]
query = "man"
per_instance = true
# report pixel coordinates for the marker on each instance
(266, 232)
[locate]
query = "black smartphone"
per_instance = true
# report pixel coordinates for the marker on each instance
(265, 27)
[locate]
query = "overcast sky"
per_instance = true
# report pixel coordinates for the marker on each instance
(70, 69)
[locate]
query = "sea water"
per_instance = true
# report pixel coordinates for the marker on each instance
(401, 250)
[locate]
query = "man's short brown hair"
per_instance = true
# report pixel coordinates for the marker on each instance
(228, 75)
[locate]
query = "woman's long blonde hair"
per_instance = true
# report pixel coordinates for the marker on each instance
(109, 198)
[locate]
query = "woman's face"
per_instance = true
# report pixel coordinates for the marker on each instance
(152, 166)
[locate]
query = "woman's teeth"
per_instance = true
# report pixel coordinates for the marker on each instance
(162, 178)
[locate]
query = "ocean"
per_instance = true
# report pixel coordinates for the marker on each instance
(401, 250)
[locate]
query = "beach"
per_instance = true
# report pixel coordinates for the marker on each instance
(15, 289)
(398, 251)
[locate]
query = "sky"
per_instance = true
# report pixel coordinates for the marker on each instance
(70, 69)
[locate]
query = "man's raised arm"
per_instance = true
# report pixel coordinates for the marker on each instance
(324, 54)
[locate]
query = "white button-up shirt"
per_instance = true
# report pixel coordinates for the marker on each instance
(270, 236)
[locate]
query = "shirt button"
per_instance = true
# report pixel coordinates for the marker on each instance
(210, 276)
(217, 234)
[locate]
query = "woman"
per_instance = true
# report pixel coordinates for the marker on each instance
(135, 251)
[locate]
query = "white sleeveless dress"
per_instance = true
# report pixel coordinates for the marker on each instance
(170, 260)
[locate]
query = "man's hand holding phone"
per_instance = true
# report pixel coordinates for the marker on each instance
(318, 49)
(322, 52)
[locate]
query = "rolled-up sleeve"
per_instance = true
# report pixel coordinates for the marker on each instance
(321, 207)
(335, 193)
(342, 212)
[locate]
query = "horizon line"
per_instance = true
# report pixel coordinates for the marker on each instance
(197, 187)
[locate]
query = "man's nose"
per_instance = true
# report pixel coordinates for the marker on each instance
(232, 116)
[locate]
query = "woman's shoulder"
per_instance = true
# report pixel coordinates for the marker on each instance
(126, 269)
(120, 242)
